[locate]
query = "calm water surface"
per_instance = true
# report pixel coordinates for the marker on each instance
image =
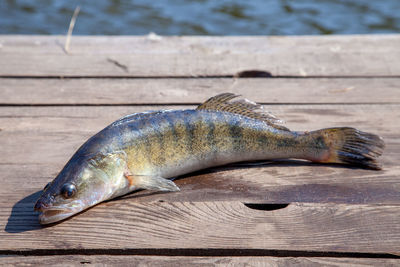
(201, 17)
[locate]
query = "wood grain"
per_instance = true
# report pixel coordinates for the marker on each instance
(133, 260)
(193, 91)
(127, 56)
(214, 225)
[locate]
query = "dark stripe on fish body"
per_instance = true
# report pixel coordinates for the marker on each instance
(236, 133)
(186, 116)
(201, 130)
(180, 131)
(285, 141)
(211, 129)
(263, 141)
(320, 143)
(220, 133)
(170, 134)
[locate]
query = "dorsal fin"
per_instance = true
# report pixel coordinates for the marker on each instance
(244, 107)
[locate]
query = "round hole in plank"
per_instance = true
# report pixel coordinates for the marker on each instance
(253, 74)
(267, 207)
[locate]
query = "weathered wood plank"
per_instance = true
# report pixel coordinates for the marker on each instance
(190, 91)
(37, 141)
(282, 182)
(126, 224)
(134, 260)
(127, 56)
(47, 136)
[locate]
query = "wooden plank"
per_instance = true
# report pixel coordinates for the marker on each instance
(190, 91)
(127, 56)
(37, 141)
(73, 260)
(126, 224)
(281, 182)
(47, 136)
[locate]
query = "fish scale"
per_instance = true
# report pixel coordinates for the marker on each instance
(234, 138)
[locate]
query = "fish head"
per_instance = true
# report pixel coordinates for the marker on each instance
(83, 182)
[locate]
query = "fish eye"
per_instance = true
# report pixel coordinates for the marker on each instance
(68, 190)
(46, 186)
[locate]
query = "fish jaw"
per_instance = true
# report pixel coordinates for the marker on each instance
(54, 215)
(60, 210)
(51, 214)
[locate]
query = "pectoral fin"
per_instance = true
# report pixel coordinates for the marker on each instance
(150, 182)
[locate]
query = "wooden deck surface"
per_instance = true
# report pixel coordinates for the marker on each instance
(282, 213)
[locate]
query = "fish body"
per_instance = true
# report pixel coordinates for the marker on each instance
(172, 143)
(145, 150)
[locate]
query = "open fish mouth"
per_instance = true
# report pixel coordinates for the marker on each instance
(52, 215)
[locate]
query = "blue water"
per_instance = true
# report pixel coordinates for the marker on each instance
(201, 17)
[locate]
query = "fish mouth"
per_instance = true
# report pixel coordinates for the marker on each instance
(53, 215)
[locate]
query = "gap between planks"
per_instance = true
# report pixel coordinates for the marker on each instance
(196, 252)
(236, 260)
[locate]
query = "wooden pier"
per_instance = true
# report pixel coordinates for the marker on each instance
(283, 213)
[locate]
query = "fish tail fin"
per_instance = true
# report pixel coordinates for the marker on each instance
(346, 145)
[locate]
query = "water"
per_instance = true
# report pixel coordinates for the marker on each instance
(201, 17)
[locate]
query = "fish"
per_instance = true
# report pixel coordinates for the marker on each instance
(148, 150)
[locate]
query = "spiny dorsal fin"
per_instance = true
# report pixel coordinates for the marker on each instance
(244, 107)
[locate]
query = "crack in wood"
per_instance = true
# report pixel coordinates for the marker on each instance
(119, 65)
